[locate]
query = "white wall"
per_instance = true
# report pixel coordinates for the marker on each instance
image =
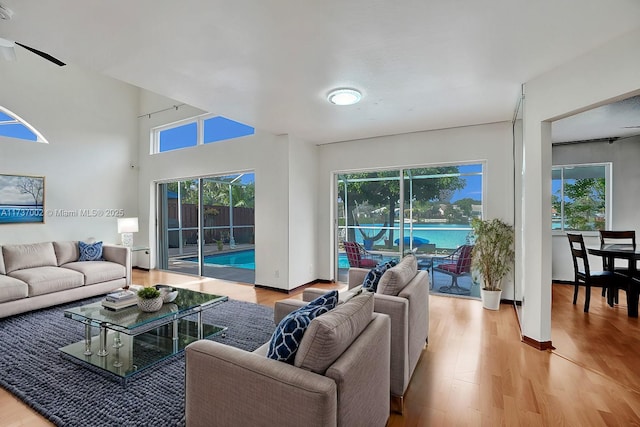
(303, 208)
(284, 203)
(624, 155)
(609, 72)
(491, 143)
(90, 123)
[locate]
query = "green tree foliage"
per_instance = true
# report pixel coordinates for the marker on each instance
(383, 189)
(218, 192)
(584, 204)
(466, 205)
(215, 192)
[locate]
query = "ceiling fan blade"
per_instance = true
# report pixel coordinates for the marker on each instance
(630, 127)
(43, 55)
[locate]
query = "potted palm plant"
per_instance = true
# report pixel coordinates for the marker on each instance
(492, 257)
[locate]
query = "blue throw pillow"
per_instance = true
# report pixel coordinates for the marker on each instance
(286, 338)
(90, 251)
(330, 299)
(372, 278)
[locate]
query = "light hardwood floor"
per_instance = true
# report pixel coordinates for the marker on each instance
(477, 372)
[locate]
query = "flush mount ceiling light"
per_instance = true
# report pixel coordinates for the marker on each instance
(344, 96)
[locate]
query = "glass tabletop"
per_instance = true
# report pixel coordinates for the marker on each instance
(131, 318)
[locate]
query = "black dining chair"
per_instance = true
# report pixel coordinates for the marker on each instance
(611, 237)
(583, 275)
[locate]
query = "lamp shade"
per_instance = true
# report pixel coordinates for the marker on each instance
(127, 225)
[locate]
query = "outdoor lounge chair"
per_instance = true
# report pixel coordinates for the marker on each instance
(359, 257)
(455, 265)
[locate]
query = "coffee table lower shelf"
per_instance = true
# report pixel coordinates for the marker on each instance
(131, 354)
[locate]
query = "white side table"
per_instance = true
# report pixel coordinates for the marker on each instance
(137, 251)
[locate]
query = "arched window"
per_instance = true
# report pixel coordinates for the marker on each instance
(12, 126)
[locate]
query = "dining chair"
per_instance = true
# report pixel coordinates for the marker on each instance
(610, 237)
(583, 275)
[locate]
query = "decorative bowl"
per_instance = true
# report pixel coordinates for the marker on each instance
(170, 296)
(150, 305)
(168, 293)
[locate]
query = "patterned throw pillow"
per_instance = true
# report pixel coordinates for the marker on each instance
(372, 278)
(90, 251)
(330, 299)
(289, 332)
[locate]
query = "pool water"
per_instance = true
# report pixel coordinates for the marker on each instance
(240, 259)
(247, 259)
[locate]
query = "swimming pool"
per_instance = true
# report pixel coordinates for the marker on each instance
(240, 259)
(247, 259)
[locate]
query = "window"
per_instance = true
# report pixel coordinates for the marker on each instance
(437, 203)
(580, 197)
(13, 126)
(219, 128)
(179, 137)
(197, 131)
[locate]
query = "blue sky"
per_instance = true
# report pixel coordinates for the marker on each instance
(473, 189)
(10, 127)
(215, 129)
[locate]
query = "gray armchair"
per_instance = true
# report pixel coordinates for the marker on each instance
(409, 313)
(226, 386)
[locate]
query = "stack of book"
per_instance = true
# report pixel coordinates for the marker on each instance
(120, 299)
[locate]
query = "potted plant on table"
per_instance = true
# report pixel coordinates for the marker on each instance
(492, 257)
(149, 299)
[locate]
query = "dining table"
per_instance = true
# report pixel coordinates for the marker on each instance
(630, 253)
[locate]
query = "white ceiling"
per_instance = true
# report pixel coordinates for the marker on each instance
(613, 121)
(421, 64)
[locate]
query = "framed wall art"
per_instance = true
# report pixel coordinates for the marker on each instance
(21, 199)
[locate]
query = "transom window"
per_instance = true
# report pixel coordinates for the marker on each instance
(13, 126)
(581, 197)
(197, 131)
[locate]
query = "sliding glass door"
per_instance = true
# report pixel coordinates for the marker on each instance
(206, 226)
(437, 203)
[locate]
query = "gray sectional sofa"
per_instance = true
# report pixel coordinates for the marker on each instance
(39, 275)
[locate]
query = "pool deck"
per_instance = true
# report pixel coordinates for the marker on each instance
(243, 275)
(178, 264)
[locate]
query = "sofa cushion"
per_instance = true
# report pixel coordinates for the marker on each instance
(289, 332)
(18, 257)
(396, 278)
(329, 335)
(374, 275)
(2, 269)
(90, 251)
(12, 289)
(97, 271)
(45, 280)
(66, 252)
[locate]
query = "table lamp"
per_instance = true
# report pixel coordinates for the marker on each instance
(126, 228)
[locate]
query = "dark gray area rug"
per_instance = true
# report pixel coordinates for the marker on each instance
(32, 368)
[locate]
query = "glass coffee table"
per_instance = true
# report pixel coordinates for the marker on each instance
(131, 340)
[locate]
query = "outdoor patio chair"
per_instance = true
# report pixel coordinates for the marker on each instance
(359, 257)
(455, 265)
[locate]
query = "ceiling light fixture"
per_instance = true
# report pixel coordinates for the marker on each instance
(5, 13)
(344, 96)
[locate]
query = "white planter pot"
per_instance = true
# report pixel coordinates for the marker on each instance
(491, 299)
